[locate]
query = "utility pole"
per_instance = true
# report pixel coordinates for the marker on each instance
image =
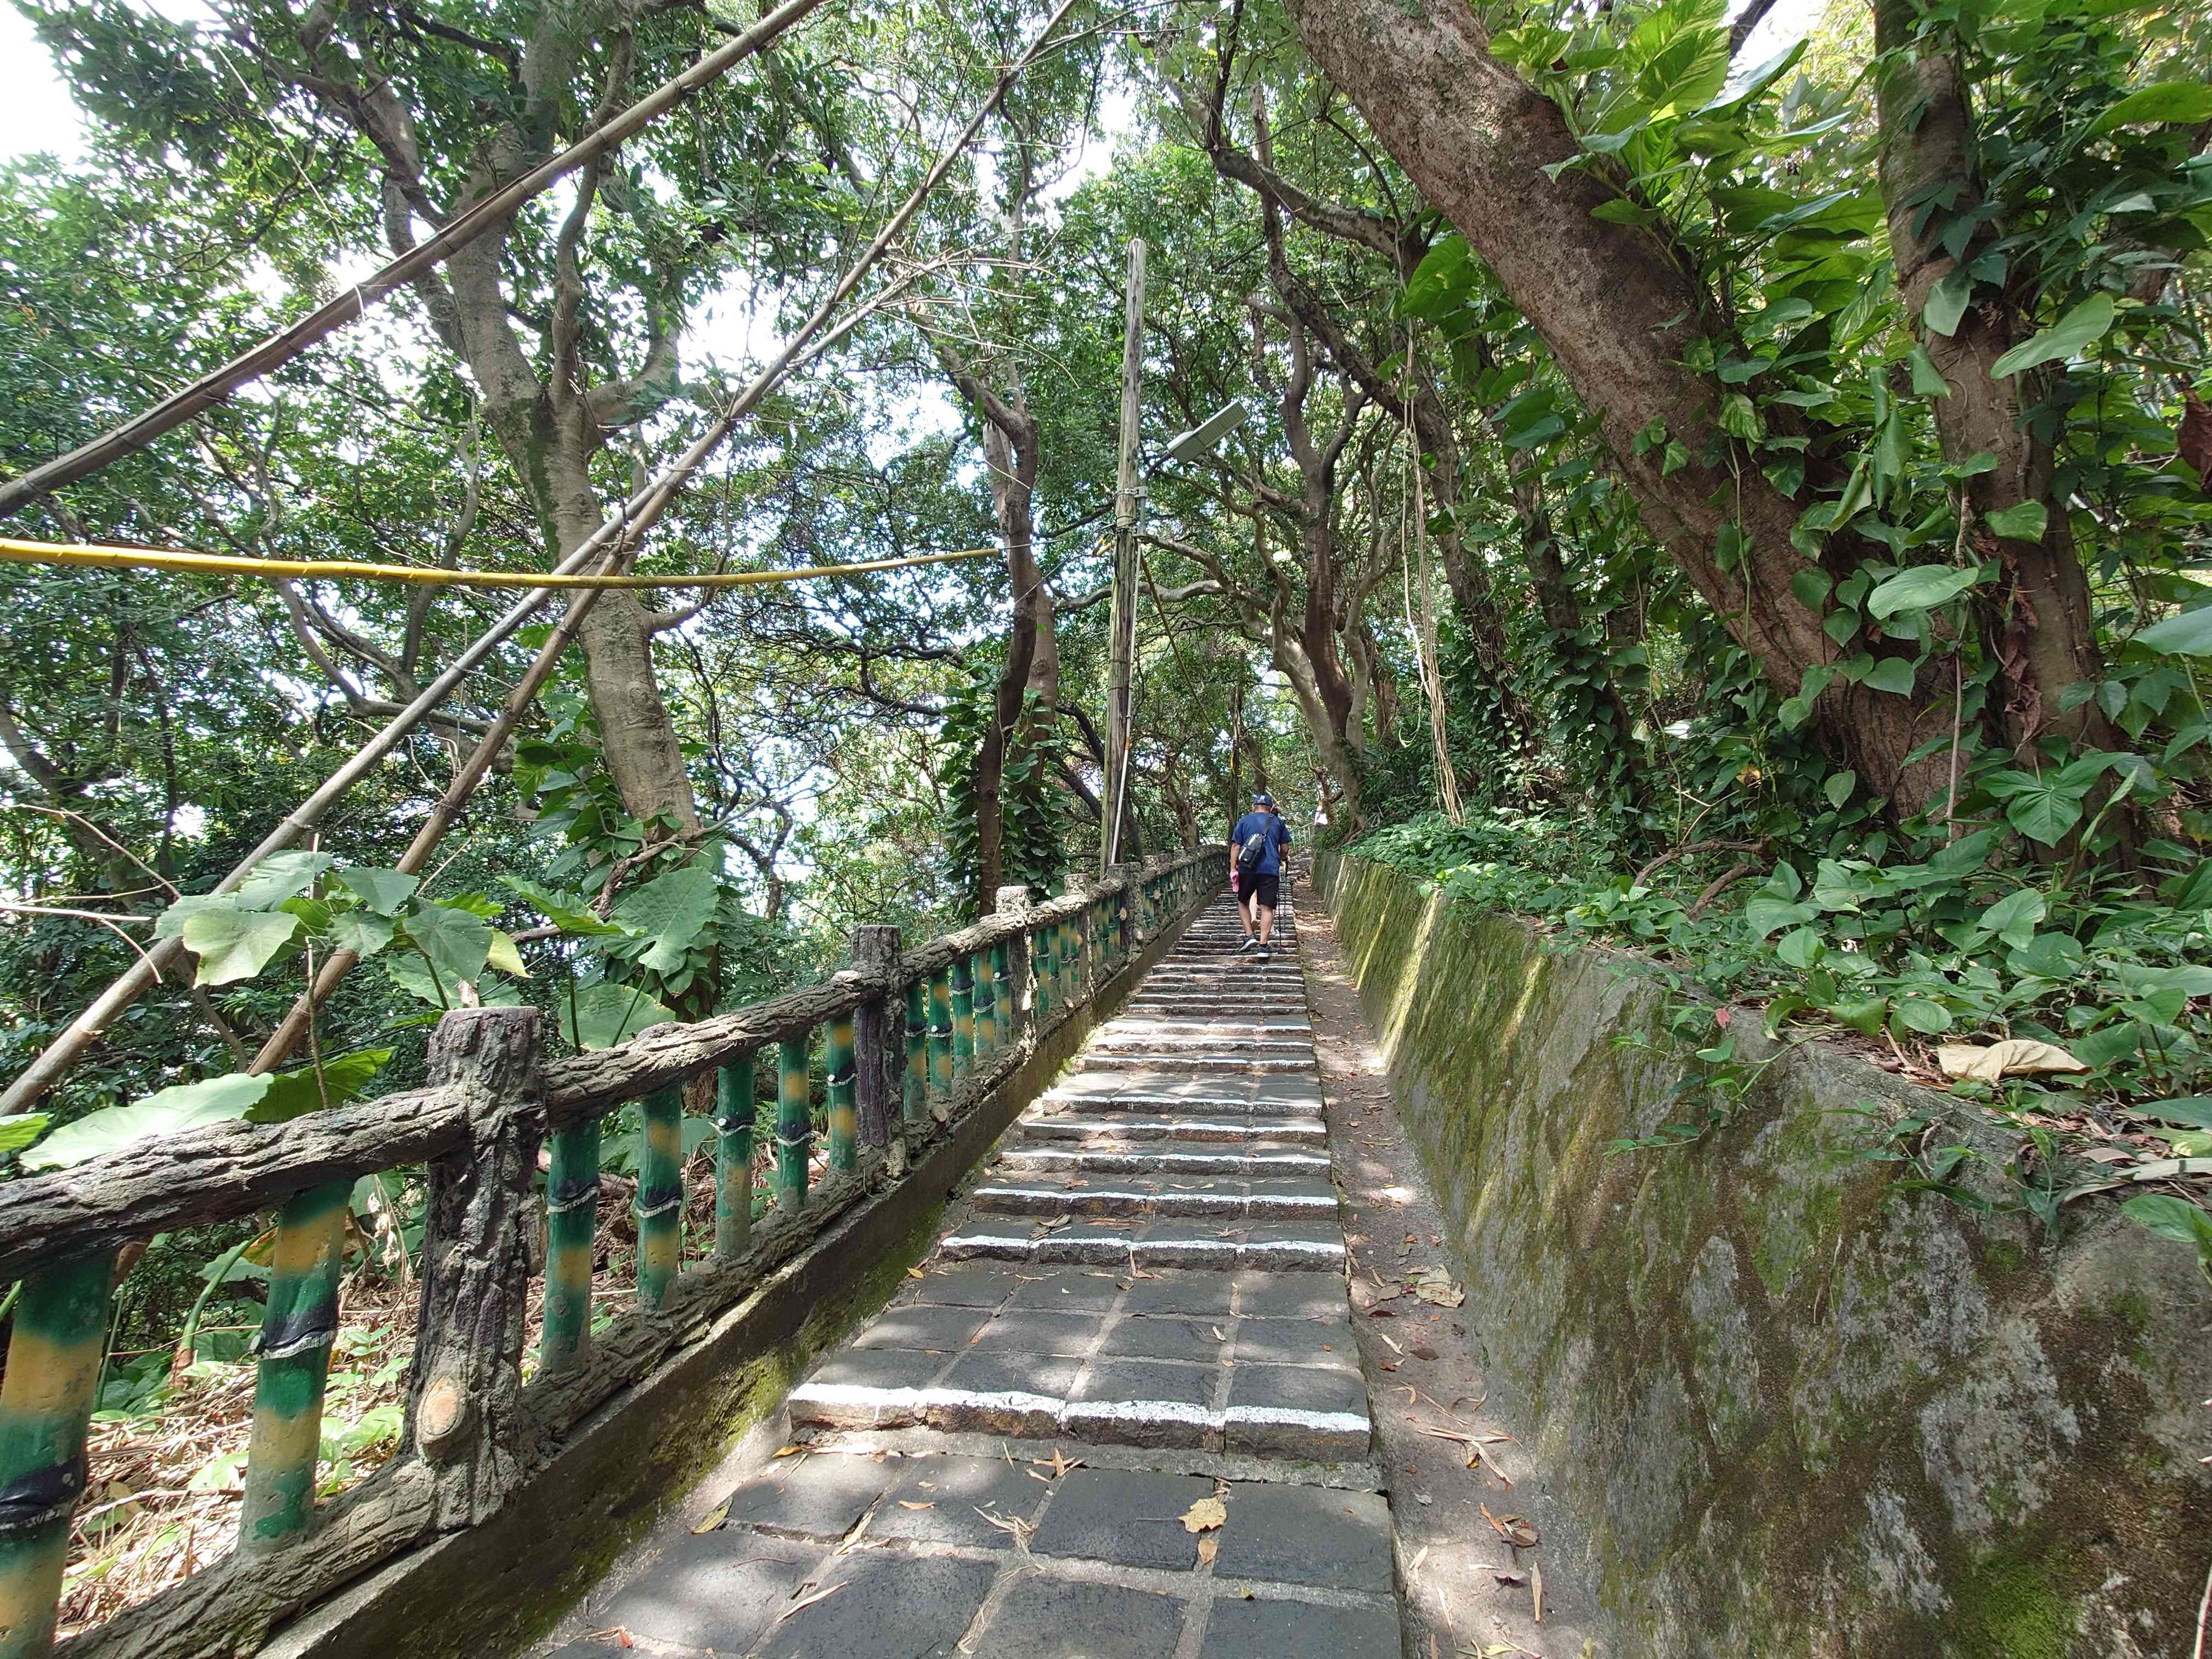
(1123, 622)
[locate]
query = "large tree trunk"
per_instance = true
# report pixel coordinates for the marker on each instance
(2039, 620)
(1617, 309)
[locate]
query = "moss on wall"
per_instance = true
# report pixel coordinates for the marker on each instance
(1794, 1412)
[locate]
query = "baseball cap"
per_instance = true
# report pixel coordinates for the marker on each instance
(1263, 798)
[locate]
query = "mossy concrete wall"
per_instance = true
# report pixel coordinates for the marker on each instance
(1792, 1411)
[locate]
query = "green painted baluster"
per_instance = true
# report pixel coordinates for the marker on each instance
(298, 1326)
(844, 1118)
(733, 1157)
(793, 1129)
(984, 1005)
(916, 1106)
(572, 1220)
(1040, 970)
(1005, 1009)
(963, 1018)
(53, 1372)
(660, 1203)
(940, 1032)
(1063, 960)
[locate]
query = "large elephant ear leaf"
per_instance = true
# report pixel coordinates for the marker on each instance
(455, 942)
(603, 1014)
(233, 943)
(570, 912)
(170, 1112)
(345, 1078)
(670, 910)
(281, 876)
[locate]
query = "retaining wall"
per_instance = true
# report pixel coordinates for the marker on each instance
(1787, 1411)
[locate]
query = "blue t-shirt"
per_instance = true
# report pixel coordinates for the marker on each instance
(1277, 832)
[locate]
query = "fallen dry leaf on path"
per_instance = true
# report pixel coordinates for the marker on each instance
(909, 1503)
(715, 1517)
(1536, 1585)
(1205, 1514)
(2014, 1057)
(1208, 1547)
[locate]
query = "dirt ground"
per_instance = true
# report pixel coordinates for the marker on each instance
(1468, 1588)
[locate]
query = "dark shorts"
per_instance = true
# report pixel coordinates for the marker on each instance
(1263, 889)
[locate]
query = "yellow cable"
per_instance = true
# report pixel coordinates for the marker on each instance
(217, 564)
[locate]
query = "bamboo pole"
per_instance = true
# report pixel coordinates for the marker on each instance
(733, 1158)
(572, 1220)
(297, 1329)
(659, 1201)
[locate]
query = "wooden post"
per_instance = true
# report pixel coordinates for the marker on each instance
(1121, 628)
(298, 1326)
(53, 1369)
(733, 1158)
(658, 1206)
(793, 1121)
(879, 1034)
(465, 1413)
(1010, 966)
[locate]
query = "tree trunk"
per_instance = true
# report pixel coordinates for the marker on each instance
(1619, 310)
(2041, 626)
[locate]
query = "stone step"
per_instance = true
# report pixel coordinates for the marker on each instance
(1281, 1198)
(1134, 1132)
(1152, 1058)
(1141, 1099)
(1193, 1024)
(1156, 1159)
(1225, 1042)
(1277, 1247)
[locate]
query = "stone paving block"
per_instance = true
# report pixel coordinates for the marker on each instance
(1130, 1518)
(963, 1285)
(1186, 1245)
(1168, 1336)
(1306, 1536)
(820, 1494)
(716, 1590)
(1002, 1394)
(866, 1387)
(1315, 1246)
(1063, 1618)
(1289, 1296)
(1238, 1629)
(884, 1603)
(931, 1329)
(1326, 1343)
(1079, 1290)
(1204, 1293)
(955, 1489)
(1081, 1246)
(1296, 1411)
(1051, 1331)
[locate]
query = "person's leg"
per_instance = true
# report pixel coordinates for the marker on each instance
(1267, 924)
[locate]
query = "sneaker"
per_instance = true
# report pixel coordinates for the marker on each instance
(1266, 954)
(1249, 944)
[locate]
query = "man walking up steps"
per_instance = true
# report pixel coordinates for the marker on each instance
(1256, 846)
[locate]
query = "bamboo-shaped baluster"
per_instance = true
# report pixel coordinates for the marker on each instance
(659, 1202)
(838, 1063)
(572, 1220)
(53, 1372)
(298, 1324)
(983, 1004)
(963, 1018)
(1063, 960)
(733, 1158)
(1042, 969)
(940, 1033)
(915, 1104)
(794, 1126)
(1006, 1024)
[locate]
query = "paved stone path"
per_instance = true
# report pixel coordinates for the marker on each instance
(1140, 1306)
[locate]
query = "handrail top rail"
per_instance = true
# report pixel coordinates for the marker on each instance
(226, 1170)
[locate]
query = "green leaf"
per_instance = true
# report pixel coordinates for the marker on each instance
(382, 890)
(1439, 284)
(2013, 918)
(454, 942)
(504, 955)
(2043, 813)
(1922, 1015)
(2189, 634)
(2048, 956)
(172, 1111)
(605, 1014)
(1622, 211)
(346, 1077)
(1891, 674)
(1861, 1014)
(19, 1131)
(569, 912)
(1800, 947)
(2080, 327)
(2022, 522)
(1920, 588)
(1948, 301)
(670, 910)
(2183, 102)
(2176, 1218)
(362, 931)
(1927, 380)
(1763, 915)
(279, 877)
(235, 943)
(2191, 1111)
(1812, 586)
(1839, 787)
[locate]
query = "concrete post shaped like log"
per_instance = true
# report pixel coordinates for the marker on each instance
(879, 1037)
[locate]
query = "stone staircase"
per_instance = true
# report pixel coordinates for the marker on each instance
(1136, 1315)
